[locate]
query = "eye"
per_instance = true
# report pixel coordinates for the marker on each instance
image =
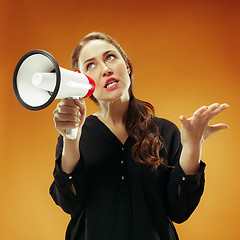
(90, 66)
(110, 57)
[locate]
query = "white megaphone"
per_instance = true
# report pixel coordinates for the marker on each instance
(38, 80)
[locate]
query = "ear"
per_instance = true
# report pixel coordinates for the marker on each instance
(128, 69)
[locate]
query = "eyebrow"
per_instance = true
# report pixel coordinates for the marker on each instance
(104, 54)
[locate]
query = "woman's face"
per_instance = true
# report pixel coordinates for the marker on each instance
(102, 62)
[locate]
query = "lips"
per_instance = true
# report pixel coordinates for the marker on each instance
(110, 81)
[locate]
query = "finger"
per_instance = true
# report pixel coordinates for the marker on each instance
(82, 106)
(214, 110)
(200, 111)
(217, 127)
(80, 103)
(69, 110)
(211, 109)
(68, 102)
(66, 117)
(66, 125)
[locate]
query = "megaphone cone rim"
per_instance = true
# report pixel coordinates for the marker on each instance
(92, 89)
(58, 79)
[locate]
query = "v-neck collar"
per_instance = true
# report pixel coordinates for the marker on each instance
(109, 130)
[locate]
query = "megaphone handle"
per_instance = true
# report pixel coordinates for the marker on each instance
(72, 133)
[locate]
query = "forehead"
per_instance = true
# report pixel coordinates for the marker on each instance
(95, 48)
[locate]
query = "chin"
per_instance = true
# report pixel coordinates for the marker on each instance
(114, 96)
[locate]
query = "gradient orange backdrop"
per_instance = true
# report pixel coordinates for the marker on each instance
(185, 54)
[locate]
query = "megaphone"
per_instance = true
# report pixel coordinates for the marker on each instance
(38, 80)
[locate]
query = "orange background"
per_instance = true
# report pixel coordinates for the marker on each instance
(185, 54)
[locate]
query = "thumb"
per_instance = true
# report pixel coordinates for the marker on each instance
(184, 121)
(81, 104)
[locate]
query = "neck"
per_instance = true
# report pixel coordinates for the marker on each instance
(114, 111)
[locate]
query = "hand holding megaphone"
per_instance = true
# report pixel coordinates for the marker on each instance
(38, 80)
(69, 114)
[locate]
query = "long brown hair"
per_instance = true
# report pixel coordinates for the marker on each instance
(149, 148)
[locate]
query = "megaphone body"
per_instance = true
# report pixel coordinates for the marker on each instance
(38, 80)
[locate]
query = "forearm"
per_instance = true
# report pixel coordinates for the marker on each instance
(70, 155)
(190, 158)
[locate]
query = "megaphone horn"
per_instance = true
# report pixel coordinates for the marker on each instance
(38, 80)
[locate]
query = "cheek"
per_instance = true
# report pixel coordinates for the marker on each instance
(97, 85)
(125, 75)
(120, 69)
(96, 72)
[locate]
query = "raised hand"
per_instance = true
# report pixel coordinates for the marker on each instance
(193, 133)
(196, 129)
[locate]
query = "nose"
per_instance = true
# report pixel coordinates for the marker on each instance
(106, 71)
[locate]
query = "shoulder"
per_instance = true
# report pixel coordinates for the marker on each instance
(169, 133)
(93, 126)
(90, 125)
(90, 120)
(90, 130)
(165, 126)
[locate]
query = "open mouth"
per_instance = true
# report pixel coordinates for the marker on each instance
(111, 82)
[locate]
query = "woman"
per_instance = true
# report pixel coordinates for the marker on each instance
(128, 174)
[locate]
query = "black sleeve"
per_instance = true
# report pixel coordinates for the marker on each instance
(181, 206)
(61, 191)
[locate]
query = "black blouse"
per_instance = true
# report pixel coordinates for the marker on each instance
(119, 199)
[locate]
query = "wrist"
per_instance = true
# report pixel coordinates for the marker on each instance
(70, 154)
(192, 146)
(190, 158)
(73, 143)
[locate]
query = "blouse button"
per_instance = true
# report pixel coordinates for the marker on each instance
(183, 178)
(122, 148)
(70, 177)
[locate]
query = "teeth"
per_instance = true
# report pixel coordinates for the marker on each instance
(111, 84)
